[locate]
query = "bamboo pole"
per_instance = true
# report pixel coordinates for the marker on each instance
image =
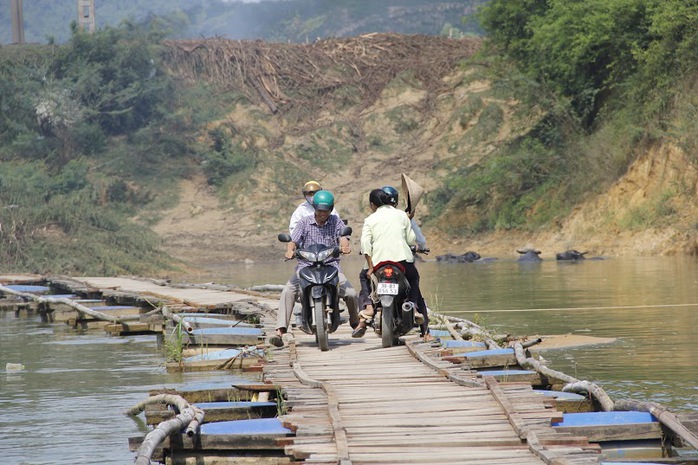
(70, 303)
(167, 313)
(169, 399)
(664, 416)
(594, 389)
(187, 415)
(532, 363)
(195, 424)
(472, 330)
(573, 384)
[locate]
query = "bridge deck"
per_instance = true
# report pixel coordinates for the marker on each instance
(360, 403)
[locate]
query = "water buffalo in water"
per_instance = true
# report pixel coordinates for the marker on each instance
(467, 257)
(529, 255)
(571, 255)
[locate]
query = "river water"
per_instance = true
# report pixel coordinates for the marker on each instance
(66, 405)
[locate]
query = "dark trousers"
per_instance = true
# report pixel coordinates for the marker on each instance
(365, 292)
(415, 295)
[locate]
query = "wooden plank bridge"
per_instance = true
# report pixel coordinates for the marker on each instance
(363, 404)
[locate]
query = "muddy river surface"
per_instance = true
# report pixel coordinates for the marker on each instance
(66, 405)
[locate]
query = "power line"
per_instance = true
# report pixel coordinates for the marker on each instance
(618, 307)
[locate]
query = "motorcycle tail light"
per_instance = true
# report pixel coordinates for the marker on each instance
(388, 272)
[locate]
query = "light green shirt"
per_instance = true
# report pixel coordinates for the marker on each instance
(387, 235)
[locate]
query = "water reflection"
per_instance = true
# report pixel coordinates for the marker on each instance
(66, 406)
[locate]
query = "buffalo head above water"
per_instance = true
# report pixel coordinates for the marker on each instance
(529, 255)
(467, 257)
(571, 255)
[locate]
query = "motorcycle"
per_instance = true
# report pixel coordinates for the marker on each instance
(394, 313)
(319, 284)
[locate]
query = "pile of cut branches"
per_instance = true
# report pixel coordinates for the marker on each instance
(284, 75)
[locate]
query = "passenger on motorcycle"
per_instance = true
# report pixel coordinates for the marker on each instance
(320, 228)
(306, 208)
(421, 246)
(386, 236)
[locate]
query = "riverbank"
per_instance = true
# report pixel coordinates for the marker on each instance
(200, 230)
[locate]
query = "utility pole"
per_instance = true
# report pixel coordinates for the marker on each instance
(86, 15)
(17, 22)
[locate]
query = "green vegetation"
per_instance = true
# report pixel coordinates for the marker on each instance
(79, 127)
(96, 132)
(605, 76)
(173, 346)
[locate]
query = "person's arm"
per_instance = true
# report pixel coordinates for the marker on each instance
(290, 250)
(344, 241)
(344, 245)
(421, 240)
(297, 215)
(369, 264)
(296, 237)
(410, 236)
(367, 245)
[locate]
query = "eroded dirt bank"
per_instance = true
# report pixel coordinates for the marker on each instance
(200, 231)
(389, 105)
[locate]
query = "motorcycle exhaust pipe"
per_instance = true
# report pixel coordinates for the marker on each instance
(407, 306)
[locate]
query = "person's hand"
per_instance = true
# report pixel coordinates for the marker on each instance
(369, 272)
(345, 249)
(289, 254)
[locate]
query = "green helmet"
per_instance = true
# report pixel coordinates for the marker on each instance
(323, 200)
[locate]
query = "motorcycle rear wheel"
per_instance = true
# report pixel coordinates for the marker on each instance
(321, 324)
(388, 328)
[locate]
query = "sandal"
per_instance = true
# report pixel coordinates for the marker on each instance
(360, 331)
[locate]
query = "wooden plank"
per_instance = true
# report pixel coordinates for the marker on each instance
(206, 392)
(132, 328)
(604, 433)
(211, 458)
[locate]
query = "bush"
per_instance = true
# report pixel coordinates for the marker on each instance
(225, 158)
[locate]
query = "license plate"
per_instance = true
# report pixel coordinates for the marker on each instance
(387, 289)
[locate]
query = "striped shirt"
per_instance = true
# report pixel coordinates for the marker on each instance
(307, 232)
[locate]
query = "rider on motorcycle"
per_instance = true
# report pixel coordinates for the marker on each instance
(320, 228)
(306, 208)
(421, 246)
(386, 236)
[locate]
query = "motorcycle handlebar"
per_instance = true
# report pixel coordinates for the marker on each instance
(416, 249)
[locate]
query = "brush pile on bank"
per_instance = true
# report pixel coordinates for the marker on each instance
(285, 75)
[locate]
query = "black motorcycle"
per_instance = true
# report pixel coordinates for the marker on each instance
(394, 313)
(319, 285)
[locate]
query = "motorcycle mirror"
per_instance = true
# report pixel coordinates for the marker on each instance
(346, 231)
(283, 237)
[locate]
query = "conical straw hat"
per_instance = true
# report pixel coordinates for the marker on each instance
(413, 193)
